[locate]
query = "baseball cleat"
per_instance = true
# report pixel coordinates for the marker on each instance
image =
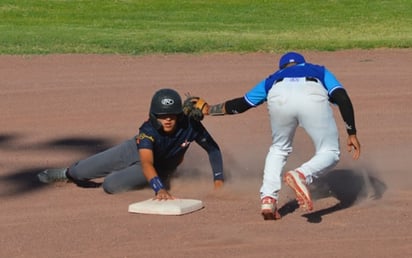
(296, 181)
(52, 175)
(269, 209)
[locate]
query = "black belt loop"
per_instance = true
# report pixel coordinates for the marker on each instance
(311, 79)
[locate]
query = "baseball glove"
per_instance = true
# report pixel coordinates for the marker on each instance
(194, 107)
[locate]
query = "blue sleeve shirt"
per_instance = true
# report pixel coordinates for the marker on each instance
(258, 94)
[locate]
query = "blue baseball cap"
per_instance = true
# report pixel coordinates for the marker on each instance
(291, 57)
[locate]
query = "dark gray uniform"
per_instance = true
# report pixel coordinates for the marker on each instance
(120, 165)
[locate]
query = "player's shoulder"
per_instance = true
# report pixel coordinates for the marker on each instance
(195, 124)
(190, 127)
(147, 135)
(146, 125)
(314, 66)
(148, 129)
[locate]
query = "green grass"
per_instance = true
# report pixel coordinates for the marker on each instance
(172, 26)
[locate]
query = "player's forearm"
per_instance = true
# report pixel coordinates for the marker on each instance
(230, 107)
(349, 119)
(216, 161)
(341, 98)
(152, 177)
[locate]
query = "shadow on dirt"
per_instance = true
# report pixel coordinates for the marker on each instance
(348, 186)
(24, 181)
(88, 146)
(21, 182)
(6, 139)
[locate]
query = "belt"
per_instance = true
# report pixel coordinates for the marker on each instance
(308, 79)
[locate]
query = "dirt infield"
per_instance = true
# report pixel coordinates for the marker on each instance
(57, 109)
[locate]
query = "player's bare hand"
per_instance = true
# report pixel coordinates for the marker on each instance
(163, 195)
(354, 145)
(218, 184)
(205, 109)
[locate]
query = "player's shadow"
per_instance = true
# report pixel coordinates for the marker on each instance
(6, 140)
(20, 182)
(347, 186)
(24, 181)
(78, 144)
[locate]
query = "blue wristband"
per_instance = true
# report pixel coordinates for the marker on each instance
(156, 184)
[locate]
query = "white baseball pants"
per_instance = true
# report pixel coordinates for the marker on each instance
(297, 102)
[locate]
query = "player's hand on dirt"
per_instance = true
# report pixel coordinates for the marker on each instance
(218, 184)
(354, 145)
(163, 194)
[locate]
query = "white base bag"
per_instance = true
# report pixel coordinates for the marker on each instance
(166, 207)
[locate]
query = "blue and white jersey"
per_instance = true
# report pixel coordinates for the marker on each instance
(257, 95)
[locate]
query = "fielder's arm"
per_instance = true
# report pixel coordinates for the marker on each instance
(341, 98)
(230, 107)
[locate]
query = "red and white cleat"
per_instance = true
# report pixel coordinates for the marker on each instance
(296, 181)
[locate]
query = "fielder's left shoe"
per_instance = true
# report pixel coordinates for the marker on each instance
(296, 180)
(269, 209)
(52, 175)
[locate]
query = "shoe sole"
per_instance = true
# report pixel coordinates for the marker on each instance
(269, 215)
(298, 187)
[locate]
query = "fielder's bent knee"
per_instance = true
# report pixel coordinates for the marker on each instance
(337, 155)
(334, 157)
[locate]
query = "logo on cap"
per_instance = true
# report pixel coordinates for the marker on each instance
(167, 102)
